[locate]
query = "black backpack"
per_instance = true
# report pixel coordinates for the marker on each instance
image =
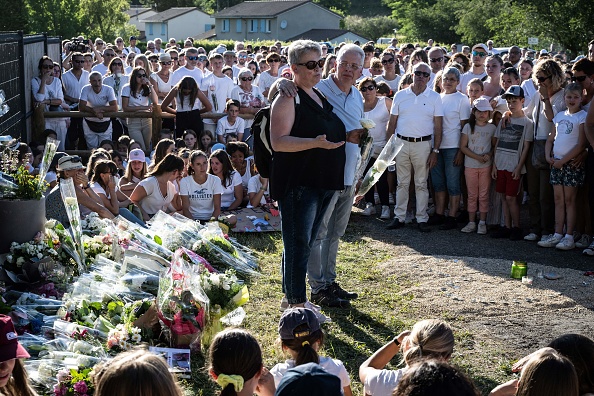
(260, 131)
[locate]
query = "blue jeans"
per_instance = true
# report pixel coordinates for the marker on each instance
(301, 210)
(321, 268)
(445, 175)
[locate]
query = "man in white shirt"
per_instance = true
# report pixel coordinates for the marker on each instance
(103, 67)
(417, 115)
(217, 87)
(189, 69)
(158, 43)
(132, 47)
(74, 80)
(479, 55)
(515, 54)
(97, 99)
(436, 62)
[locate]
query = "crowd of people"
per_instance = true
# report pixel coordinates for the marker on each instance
(480, 131)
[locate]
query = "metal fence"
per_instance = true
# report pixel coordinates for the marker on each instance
(19, 56)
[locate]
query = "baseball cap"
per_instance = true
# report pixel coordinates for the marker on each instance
(309, 379)
(482, 104)
(543, 51)
(515, 91)
(217, 146)
(10, 348)
(132, 37)
(164, 57)
(136, 155)
(69, 162)
(482, 46)
(295, 317)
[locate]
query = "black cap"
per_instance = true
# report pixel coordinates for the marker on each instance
(132, 37)
(309, 379)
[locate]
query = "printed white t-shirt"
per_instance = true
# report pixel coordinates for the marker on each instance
(201, 196)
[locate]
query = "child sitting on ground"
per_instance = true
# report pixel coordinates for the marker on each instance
(302, 337)
(511, 150)
(231, 123)
(566, 140)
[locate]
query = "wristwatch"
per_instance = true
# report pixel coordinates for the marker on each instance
(85, 187)
(436, 151)
(395, 340)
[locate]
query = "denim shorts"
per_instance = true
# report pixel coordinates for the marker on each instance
(444, 175)
(568, 176)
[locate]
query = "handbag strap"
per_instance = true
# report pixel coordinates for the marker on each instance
(537, 118)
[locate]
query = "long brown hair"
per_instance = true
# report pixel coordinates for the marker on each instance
(170, 163)
(548, 373)
(134, 85)
(19, 383)
(161, 151)
(223, 158)
(187, 83)
(103, 166)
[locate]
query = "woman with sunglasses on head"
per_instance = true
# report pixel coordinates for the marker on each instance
(47, 91)
(391, 74)
(105, 184)
(190, 102)
(268, 77)
(376, 109)
(139, 96)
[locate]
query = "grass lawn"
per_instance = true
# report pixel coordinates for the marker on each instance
(380, 312)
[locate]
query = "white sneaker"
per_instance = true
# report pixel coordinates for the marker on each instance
(565, 244)
(392, 199)
(376, 198)
(545, 237)
(589, 251)
(317, 310)
(470, 227)
(583, 242)
(531, 237)
(482, 229)
(385, 212)
(369, 210)
(551, 241)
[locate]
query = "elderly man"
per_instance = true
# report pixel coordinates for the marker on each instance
(436, 61)
(158, 44)
(515, 54)
(417, 114)
(103, 67)
(151, 47)
(189, 69)
(479, 55)
(97, 99)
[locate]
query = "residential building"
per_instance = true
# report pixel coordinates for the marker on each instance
(177, 22)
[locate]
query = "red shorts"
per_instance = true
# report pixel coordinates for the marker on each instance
(506, 184)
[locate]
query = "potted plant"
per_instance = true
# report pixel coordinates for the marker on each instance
(22, 201)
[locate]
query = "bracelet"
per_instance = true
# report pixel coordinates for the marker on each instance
(84, 188)
(262, 189)
(395, 341)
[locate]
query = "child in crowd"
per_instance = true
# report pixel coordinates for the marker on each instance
(548, 373)
(512, 144)
(258, 191)
(566, 140)
(302, 337)
(190, 139)
(135, 373)
(236, 365)
(428, 339)
(200, 191)
(231, 123)
(434, 377)
(477, 143)
(205, 140)
(123, 144)
(136, 170)
(475, 89)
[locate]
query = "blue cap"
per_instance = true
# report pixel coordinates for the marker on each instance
(217, 146)
(309, 379)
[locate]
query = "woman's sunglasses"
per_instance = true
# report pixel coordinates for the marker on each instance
(313, 64)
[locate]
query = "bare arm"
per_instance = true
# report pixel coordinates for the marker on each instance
(168, 99)
(589, 126)
(391, 126)
(186, 207)
(238, 194)
(381, 357)
(205, 102)
(137, 196)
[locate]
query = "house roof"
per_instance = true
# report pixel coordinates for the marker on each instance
(209, 34)
(137, 11)
(171, 13)
(259, 8)
(322, 34)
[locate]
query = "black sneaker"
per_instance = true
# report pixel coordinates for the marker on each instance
(502, 232)
(341, 293)
(436, 219)
(423, 227)
(516, 234)
(395, 224)
(450, 224)
(326, 298)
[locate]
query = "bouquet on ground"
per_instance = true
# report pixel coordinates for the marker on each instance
(68, 192)
(93, 224)
(366, 145)
(74, 382)
(51, 146)
(384, 160)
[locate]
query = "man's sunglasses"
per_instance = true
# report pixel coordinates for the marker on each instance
(419, 73)
(313, 64)
(388, 61)
(192, 58)
(247, 78)
(578, 79)
(477, 53)
(543, 79)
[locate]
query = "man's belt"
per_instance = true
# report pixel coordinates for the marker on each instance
(414, 139)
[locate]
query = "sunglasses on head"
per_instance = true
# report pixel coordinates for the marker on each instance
(367, 88)
(74, 160)
(579, 79)
(387, 61)
(313, 64)
(478, 53)
(543, 79)
(419, 73)
(192, 58)
(247, 78)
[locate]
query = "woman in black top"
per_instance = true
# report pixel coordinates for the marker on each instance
(308, 165)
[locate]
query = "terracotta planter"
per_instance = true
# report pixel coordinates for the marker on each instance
(20, 221)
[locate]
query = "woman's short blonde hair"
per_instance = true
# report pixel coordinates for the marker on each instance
(550, 67)
(432, 338)
(135, 373)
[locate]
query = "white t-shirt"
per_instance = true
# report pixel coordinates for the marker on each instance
(415, 112)
(456, 108)
(154, 200)
(392, 83)
(466, 77)
(254, 186)
(218, 88)
(382, 382)
(567, 126)
(98, 189)
(224, 127)
(52, 91)
(72, 85)
(134, 100)
(201, 195)
(380, 115)
(228, 196)
(101, 68)
(333, 366)
(184, 105)
(529, 89)
(180, 73)
(254, 98)
(100, 99)
(266, 80)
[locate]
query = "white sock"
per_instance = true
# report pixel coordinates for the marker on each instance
(569, 237)
(482, 222)
(557, 235)
(471, 222)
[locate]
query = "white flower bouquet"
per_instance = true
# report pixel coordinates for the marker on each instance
(384, 160)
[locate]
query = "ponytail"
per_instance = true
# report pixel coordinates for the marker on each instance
(303, 346)
(472, 121)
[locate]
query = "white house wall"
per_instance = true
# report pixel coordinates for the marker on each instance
(186, 25)
(303, 18)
